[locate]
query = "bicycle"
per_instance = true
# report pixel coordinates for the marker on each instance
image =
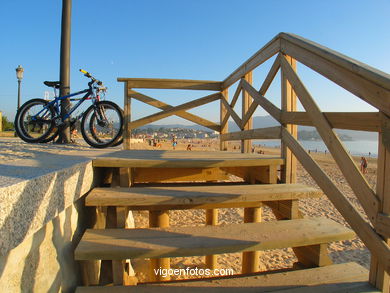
(39, 120)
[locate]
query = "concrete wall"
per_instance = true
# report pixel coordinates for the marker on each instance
(41, 221)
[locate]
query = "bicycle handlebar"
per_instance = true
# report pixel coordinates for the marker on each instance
(87, 74)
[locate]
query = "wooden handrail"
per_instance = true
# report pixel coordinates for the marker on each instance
(180, 84)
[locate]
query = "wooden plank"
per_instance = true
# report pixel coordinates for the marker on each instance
(251, 259)
(305, 280)
(126, 118)
(378, 275)
(363, 121)
(367, 83)
(120, 244)
(182, 84)
(174, 110)
(356, 180)
(231, 112)
(159, 219)
(258, 133)
(288, 171)
(270, 49)
(149, 175)
(263, 89)
(197, 197)
(163, 106)
(262, 101)
(213, 160)
(354, 218)
(246, 145)
(232, 103)
(224, 122)
(211, 219)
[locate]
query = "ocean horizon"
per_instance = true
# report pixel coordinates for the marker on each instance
(368, 148)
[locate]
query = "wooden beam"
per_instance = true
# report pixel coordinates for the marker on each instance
(355, 219)
(378, 275)
(212, 219)
(127, 118)
(246, 145)
(363, 121)
(288, 172)
(163, 106)
(174, 110)
(182, 84)
(262, 101)
(270, 49)
(263, 89)
(258, 133)
(356, 180)
(224, 122)
(233, 102)
(369, 84)
(231, 112)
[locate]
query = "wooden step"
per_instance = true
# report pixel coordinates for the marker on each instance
(348, 277)
(198, 197)
(119, 244)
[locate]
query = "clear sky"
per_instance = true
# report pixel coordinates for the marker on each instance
(198, 39)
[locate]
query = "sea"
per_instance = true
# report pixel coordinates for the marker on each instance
(368, 148)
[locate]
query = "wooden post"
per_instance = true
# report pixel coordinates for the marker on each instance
(127, 118)
(246, 145)
(225, 127)
(212, 219)
(251, 259)
(378, 276)
(289, 103)
(159, 219)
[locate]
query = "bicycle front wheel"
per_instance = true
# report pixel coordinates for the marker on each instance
(102, 124)
(34, 121)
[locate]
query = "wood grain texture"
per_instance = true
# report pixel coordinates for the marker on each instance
(174, 110)
(163, 106)
(337, 276)
(182, 84)
(356, 180)
(363, 121)
(182, 159)
(367, 83)
(118, 244)
(258, 133)
(354, 218)
(198, 197)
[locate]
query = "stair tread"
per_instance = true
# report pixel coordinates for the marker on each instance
(346, 277)
(206, 240)
(180, 197)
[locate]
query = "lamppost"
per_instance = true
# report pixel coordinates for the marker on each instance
(19, 76)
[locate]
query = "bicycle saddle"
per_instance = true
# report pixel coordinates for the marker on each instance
(55, 84)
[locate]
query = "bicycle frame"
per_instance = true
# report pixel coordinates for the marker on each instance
(56, 102)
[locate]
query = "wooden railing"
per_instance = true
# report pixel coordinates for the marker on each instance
(365, 82)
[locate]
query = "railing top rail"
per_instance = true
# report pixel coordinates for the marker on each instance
(282, 40)
(370, 73)
(182, 84)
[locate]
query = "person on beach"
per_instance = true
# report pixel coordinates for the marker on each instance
(363, 165)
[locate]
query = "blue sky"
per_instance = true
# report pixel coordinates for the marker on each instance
(195, 39)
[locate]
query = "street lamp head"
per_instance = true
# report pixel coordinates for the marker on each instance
(19, 72)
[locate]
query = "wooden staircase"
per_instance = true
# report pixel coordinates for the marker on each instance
(113, 244)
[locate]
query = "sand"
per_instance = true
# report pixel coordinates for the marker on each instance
(12, 149)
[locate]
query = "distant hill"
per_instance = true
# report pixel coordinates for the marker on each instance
(269, 121)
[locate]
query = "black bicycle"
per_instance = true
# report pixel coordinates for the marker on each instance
(39, 120)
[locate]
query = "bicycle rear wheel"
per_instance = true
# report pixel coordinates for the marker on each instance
(102, 124)
(34, 121)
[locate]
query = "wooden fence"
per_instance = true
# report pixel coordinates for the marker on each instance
(365, 82)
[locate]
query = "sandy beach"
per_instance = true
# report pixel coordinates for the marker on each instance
(13, 149)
